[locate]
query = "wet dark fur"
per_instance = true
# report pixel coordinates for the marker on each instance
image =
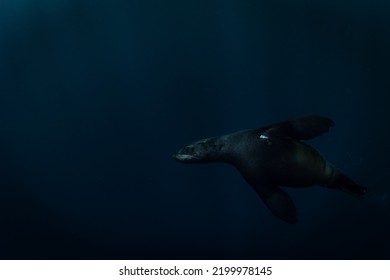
(272, 157)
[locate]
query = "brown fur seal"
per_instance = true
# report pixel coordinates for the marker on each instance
(274, 156)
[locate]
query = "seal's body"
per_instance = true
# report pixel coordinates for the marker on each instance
(274, 156)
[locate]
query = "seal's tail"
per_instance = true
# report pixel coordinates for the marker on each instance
(343, 183)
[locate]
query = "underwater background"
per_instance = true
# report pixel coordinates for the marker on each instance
(95, 97)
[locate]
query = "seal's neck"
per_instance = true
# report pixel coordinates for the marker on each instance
(214, 150)
(223, 148)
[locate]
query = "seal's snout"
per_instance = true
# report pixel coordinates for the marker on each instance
(176, 157)
(185, 155)
(184, 158)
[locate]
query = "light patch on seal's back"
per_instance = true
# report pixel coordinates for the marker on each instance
(265, 138)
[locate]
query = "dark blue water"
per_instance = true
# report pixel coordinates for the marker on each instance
(95, 96)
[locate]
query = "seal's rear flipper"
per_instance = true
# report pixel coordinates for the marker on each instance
(279, 202)
(303, 128)
(345, 184)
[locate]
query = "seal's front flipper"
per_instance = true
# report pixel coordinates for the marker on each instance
(303, 128)
(279, 202)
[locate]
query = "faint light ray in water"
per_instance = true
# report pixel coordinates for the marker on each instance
(355, 158)
(384, 199)
(381, 177)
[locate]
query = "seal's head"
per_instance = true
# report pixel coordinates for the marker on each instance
(202, 151)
